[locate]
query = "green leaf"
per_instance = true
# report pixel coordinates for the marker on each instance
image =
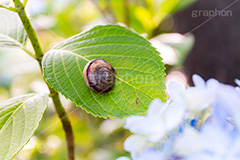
(140, 72)
(12, 32)
(19, 119)
(183, 4)
(168, 6)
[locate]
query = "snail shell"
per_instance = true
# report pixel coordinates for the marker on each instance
(99, 76)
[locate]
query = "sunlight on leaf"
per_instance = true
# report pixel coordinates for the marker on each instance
(12, 32)
(19, 119)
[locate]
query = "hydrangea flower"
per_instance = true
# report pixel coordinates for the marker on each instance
(196, 98)
(211, 131)
(227, 105)
(161, 118)
(187, 142)
(123, 158)
(151, 154)
(213, 142)
(135, 144)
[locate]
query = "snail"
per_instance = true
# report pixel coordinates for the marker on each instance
(99, 76)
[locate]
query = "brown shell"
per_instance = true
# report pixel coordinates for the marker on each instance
(99, 76)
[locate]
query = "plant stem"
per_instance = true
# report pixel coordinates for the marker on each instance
(9, 8)
(27, 51)
(65, 122)
(126, 12)
(25, 2)
(55, 96)
(29, 29)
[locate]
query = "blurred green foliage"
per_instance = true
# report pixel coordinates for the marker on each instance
(55, 20)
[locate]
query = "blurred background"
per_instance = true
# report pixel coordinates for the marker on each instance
(193, 36)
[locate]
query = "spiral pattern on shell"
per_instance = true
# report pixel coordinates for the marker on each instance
(99, 76)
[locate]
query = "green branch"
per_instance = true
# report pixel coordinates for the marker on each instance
(25, 2)
(55, 96)
(126, 12)
(65, 122)
(29, 29)
(27, 51)
(9, 8)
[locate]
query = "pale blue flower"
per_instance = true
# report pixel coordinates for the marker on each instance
(195, 98)
(217, 143)
(227, 105)
(151, 154)
(187, 142)
(135, 144)
(123, 158)
(161, 119)
(210, 132)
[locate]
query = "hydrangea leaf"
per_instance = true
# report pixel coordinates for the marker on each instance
(12, 33)
(140, 71)
(19, 119)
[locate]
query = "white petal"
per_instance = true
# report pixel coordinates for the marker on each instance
(157, 112)
(198, 81)
(198, 99)
(228, 100)
(188, 142)
(236, 147)
(155, 107)
(151, 127)
(157, 136)
(175, 90)
(237, 81)
(123, 158)
(202, 156)
(236, 116)
(215, 139)
(135, 143)
(213, 85)
(131, 121)
(174, 115)
(151, 154)
(145, 125)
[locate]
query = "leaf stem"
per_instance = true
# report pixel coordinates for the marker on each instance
(25, 2)
(9, 8)
(55, 96)
(27, 51)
